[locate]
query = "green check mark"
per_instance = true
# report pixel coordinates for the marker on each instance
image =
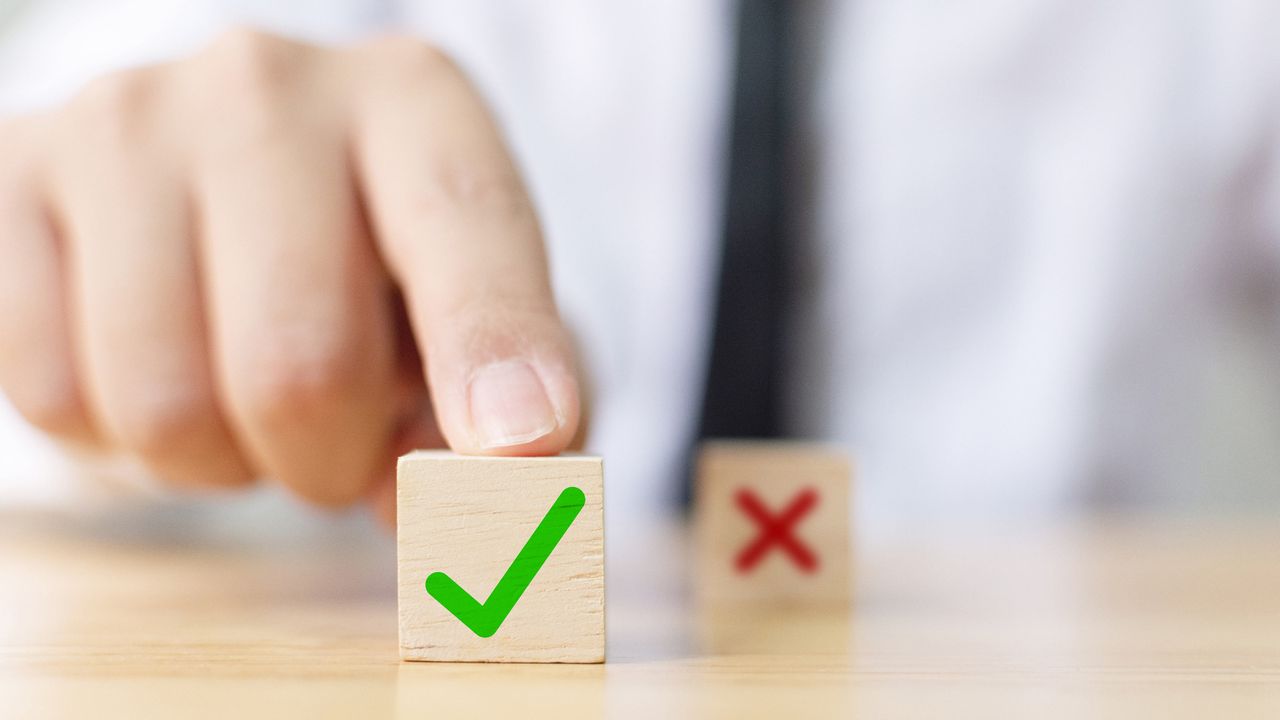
(484, 620)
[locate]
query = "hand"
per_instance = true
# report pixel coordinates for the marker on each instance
(203, 264)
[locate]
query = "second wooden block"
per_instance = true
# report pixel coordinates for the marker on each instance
(772, 524)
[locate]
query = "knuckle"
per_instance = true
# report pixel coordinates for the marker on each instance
(123, 92)
(251, 75)
(283, 385)
(407, 54)
(452, 187)
(492, 324)
(249, 54)
(114, 107)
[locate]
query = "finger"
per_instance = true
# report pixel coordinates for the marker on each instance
(37, 361)
(133, 266)
(460, 236)
(416, 430)
(300, 303)
(416, 426)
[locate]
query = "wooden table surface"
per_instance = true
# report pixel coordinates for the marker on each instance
(1089, 618)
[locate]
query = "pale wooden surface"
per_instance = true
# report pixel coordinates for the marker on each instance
(1116, 618)
(775, 472)
(468, 517)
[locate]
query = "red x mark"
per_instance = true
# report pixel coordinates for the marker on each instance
(776, 530)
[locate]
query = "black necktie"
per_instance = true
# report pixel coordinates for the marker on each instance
(744, 374)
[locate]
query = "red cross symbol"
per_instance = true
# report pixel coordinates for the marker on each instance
(776, 530)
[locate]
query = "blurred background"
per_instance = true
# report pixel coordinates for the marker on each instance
(1033, 245)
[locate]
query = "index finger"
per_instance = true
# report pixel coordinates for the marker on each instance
(460, 236)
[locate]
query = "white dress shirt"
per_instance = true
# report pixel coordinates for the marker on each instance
(1042, 239)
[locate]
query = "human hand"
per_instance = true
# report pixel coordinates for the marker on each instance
(202, 264)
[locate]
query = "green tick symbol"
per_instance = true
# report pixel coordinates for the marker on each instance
(484, 620)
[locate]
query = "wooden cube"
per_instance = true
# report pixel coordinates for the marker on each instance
(484, 535)
(772, 524)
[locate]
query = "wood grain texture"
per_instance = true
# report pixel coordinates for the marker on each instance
(775, 472)
(469, 517)
(157, 615)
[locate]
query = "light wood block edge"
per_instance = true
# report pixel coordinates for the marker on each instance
(483, 509)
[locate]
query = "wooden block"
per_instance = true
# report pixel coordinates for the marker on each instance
(772, 524)
(470, 518)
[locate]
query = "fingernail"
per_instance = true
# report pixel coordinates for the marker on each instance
(509, 405)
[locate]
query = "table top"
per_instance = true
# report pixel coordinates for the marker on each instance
(1092, 617)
